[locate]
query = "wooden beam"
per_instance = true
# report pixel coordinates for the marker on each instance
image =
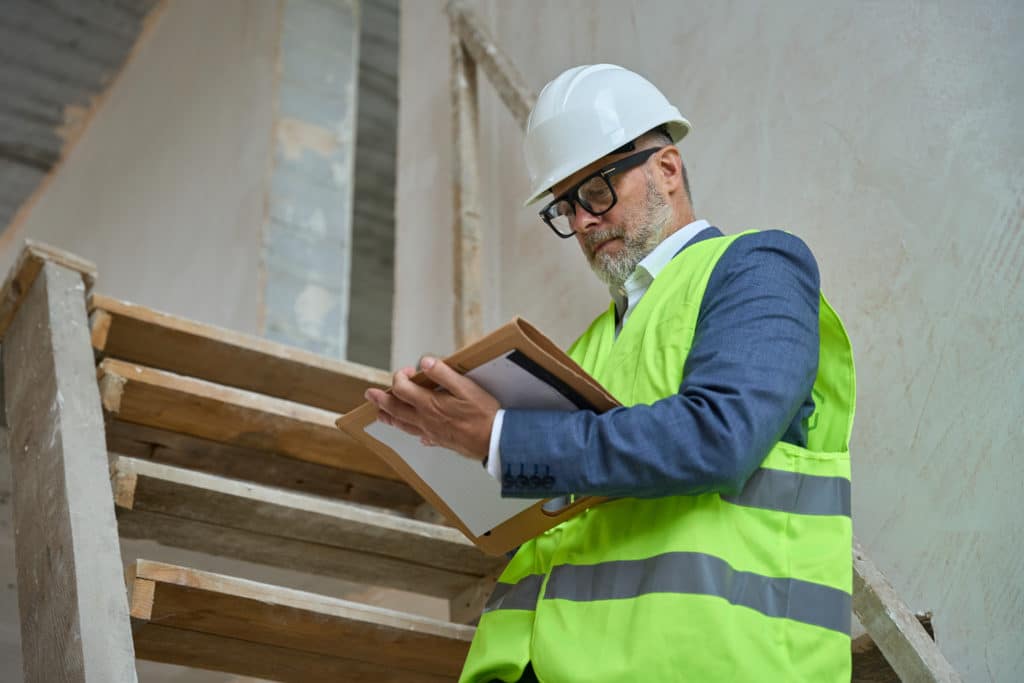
(870, 665)
(74, 616)
(195, 618)
(467, 606)
(156, 398)
(261, 467)
(226, 517)
(465, 169)
(894, 628)
(500, 71)
(200, 650)
(27, 268)
(140, 335)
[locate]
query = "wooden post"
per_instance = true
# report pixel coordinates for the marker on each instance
(909, 649)
(27, 267)
(472, 45)
(500, 70)
(468, 322)
(71, 593)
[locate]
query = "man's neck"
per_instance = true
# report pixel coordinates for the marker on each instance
(654, 262)
(681, 218)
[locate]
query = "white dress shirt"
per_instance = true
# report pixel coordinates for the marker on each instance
(626, 298)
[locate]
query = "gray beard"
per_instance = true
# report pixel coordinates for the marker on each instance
(650, 221)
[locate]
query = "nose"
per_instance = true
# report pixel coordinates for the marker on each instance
(583, 220)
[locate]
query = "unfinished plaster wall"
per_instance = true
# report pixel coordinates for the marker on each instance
(887, 136)
(167, 184)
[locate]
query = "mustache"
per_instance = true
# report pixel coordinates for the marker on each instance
(594, 239)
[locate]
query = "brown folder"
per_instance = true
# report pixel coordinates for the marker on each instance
(523, 369)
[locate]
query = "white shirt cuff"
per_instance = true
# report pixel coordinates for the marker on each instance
(493, 451)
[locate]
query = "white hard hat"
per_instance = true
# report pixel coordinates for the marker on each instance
(587, 112)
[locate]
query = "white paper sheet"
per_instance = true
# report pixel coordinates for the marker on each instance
(472, 494)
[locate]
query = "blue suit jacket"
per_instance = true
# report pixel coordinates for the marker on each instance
(747, 385)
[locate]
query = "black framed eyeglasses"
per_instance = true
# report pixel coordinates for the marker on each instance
(595, 193)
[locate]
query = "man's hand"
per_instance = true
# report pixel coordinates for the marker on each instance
(458, 418)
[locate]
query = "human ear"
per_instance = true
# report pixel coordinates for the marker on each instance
(670, 168)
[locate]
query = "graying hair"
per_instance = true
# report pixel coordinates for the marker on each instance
(659, 136)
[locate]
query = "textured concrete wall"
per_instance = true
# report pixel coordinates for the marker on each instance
(373, 201)
(888, 136)
(308, 245)
(50, 78)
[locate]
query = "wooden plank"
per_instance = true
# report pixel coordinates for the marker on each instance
(261, 524)
(870, 665)
(500, 71)
(265, 662)
(296, 633)
(74, 616)
(262, 467)
(473, 46)
(894, 628)
(27, 268)
(166, 342)
(467, 606)
(156, 398)
(466, 175)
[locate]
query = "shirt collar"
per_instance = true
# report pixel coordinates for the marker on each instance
(655, 262)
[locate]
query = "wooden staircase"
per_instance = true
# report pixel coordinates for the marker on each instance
(220, 443)
(223, 443)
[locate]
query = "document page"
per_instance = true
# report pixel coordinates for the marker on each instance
(473, 494)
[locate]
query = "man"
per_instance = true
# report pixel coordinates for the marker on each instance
(725, 555)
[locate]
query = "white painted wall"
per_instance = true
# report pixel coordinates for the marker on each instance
(885, 134)
(165, 190)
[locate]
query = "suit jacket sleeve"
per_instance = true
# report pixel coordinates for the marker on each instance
(747, 385)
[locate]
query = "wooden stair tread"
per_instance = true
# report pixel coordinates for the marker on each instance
(260, 467)
(159, 340)
(196, 618)
(212, 514)
(165, 400)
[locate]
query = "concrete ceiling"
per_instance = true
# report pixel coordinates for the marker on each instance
(55, 56)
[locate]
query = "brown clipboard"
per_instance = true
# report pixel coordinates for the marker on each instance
(562, 372)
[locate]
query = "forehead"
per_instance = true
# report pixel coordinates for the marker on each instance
(579, 175)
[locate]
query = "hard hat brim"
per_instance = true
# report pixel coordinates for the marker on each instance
(677, 130)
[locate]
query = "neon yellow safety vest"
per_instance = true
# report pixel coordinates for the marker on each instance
(751, 587)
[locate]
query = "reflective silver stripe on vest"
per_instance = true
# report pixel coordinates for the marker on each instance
(804, 494)
(521, 595)
(700, 574)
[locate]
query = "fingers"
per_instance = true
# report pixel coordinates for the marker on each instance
(458, 416)
(406, 427)
(394, 407)
(397, 408)
(406, 391)
(443, 374)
